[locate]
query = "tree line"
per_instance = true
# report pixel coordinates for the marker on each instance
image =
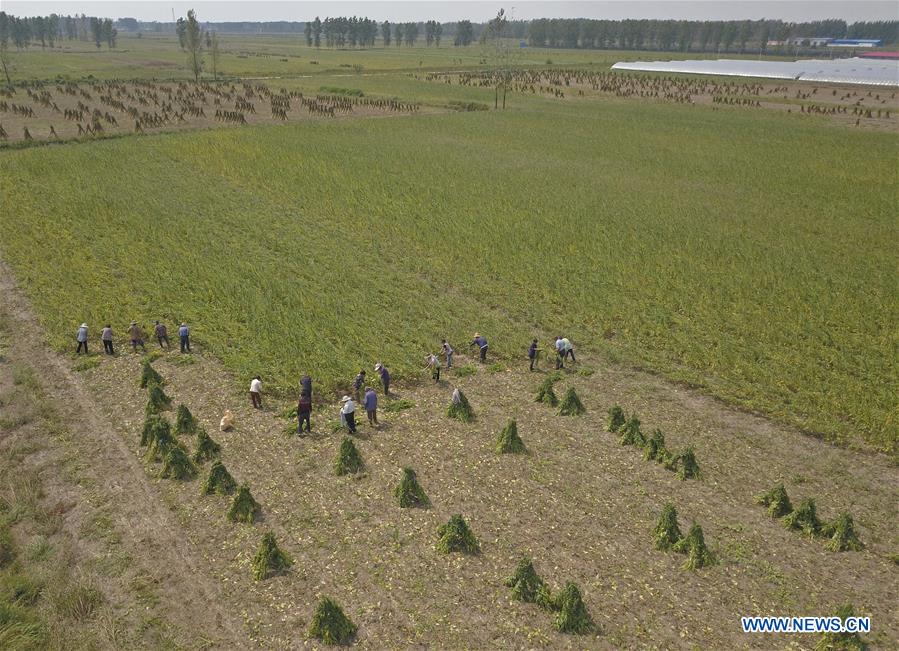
(49, 30)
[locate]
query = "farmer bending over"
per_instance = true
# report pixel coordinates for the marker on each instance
(162, 335)
(385, 377)
(256, 392)
(481, 343)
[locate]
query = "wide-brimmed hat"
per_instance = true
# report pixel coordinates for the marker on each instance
(83, 325)
(345, 399)
(477, 334)
(134, 323)
(184, 324)
(378, 366)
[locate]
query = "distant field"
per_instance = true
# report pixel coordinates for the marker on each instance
(750, 254)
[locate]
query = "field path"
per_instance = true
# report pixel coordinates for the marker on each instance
(149, 531)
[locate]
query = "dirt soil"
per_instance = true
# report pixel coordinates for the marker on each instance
(581, 505)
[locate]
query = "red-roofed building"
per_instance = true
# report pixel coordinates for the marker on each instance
(880, 55)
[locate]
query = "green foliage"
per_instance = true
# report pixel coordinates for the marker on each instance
(655, 449)
(243, 508)
(153, 424)
(161, 442)
(508, 441)
(334, 90)
(7, 551)
(616, 419)
(460, 410)
(804, 519)
(571, 405)
(526, 584)
(465, 371)
(546, 394)
(698, 555)
(185, 423)
(409, 492)
(207, 449)
(572, 616)
(687, 467)
(776, 500)
(631, 433)
(667, 532)
(219, 480)
(496, 367)
(87, 363)
(842, 641)
(395, 406)
(348, 461)
(330, 624)
(270, 559)
(177, 465)
(158, 401)
(466, 106)
(149, 376)
(842, 534)
(455, 536)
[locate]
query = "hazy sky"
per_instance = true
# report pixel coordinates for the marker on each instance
(451, 10)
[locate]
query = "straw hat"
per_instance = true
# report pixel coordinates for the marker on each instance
(134, 323)
(477, 334)
(83, 325)
(378, 366)
(345, 399)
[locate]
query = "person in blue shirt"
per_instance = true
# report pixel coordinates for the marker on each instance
(81, 338)
(481, 343)
(532, 353)
(370, 403)
(358, 383)
(184, 335)
(385, 377)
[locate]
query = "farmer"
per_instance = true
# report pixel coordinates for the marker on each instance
(358, 383)
(304, 412)
(385, 377)
(532, 353)
(371, 406)
(137, 337)
(184, 335)
(569, 349)
(348, 414)
(448, 353)
(306, 386)
(81, 338)
(106, 338)
(256, 392)
(433, 363)
(481, 343)
(560, 352)
(162, 335)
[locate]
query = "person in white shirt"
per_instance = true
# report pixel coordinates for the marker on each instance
(256, 392)
(569, 349)
(560, 353)
(348, 414)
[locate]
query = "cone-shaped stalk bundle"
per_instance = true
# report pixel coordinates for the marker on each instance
(177, 465)
(459, 408)
(219, 480)
(409, 492)
(777, 501)
(688, 468)
(152, 424)
(330, 625)
(698, 555)
(805, 518)
(526, 584)
(348, 461)
(546, 394)
(508, 441)
(244, 508)
(161, 441)
(571, 405)
(842, 535)
(842, 641)
(667, 532)
(207, 449)
(631, 434)
(455, 536)
(149, 376)
(616, 419)
(157, 400)
(572, 614)
(185, 423)
(270, 559)
(655, 447)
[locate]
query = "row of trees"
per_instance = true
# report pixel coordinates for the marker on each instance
(49, 30)
(693, 35)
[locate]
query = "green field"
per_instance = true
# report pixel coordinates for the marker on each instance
(752, 254)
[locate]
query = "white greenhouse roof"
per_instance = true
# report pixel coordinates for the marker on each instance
(843, 71)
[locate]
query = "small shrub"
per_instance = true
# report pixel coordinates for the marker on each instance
(776, 500)
(244, 508)
(571, 404)
(461, 409)
(177, 465)
(21, 590)
(78, 600)
(843, 641)
(158, 401)
(455, 536)
(842, 535)
(330, 624)
(616, 419)
(698, 555)
(655, 447)
(687, 466)
(546, 394)
(667, 532)
(572, 614)
(150, 357)
(348, 461)
(409, 492)
(526, 584)
(270, 559)
(465, 371)
(86, 364)
(631, 434)
(185, 423)
(149, 376)
(804, 519)
(456, 105)
(398, 405)
(496, 367)
(219, 480)
(508, 441)
(207, 449)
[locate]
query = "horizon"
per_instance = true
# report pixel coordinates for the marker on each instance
(451, 11)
